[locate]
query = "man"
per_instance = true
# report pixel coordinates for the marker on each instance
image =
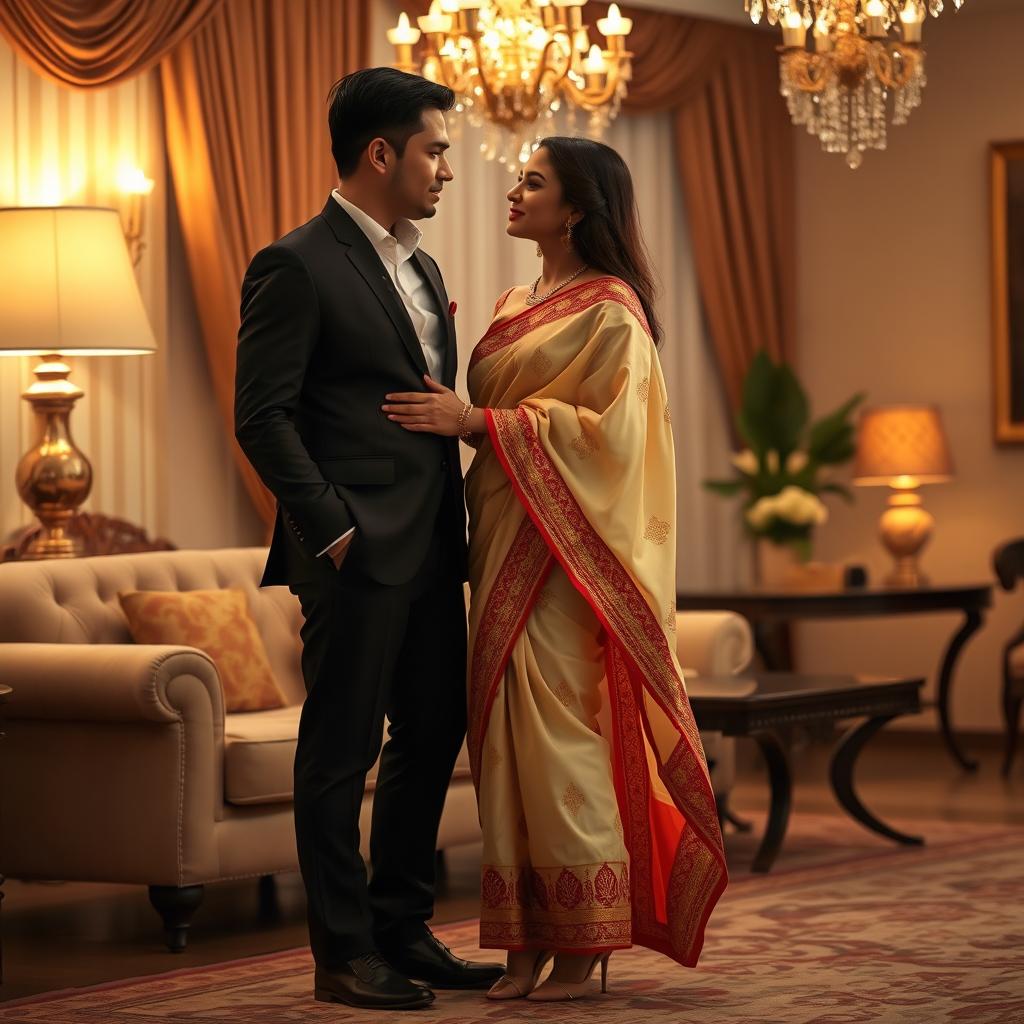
(370, 535)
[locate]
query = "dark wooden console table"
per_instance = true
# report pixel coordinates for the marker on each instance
(769, 611)
(759, 704)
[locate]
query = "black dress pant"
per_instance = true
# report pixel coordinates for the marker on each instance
(371, 650)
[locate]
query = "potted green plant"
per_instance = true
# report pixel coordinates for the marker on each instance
(783, 472)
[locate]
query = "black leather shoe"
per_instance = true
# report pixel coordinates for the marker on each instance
(432, 961)
(372, 983)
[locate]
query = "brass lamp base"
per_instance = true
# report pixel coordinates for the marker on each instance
(53, 478)
(905, 528)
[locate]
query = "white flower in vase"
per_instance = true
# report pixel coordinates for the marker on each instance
(745, 461)
(796, 462)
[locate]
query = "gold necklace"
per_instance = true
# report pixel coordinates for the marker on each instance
(533, 298)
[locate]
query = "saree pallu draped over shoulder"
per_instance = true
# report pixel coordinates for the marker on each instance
(578, 482)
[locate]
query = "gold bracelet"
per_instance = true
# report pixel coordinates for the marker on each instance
(464, 434)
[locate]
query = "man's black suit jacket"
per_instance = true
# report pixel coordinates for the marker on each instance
(324, 337)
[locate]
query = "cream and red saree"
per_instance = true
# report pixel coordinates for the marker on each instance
(600, 826)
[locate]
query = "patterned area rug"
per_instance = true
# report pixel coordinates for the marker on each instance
(846, 930)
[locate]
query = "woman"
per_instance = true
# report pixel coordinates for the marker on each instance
(599, 823)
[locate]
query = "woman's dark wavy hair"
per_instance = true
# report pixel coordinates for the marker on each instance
(596, 181)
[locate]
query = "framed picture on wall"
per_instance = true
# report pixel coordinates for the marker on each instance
(1008, 290)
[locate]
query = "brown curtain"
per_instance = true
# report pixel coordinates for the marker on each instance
(246, 121)
(89, 43)
(735, 158)
(736, 163)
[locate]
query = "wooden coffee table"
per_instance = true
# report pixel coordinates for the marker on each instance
(757, 704)
(769, 612)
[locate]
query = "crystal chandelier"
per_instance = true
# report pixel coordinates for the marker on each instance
(842, 89)
(514, 63)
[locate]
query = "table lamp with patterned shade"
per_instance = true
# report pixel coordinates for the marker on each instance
(902, 447)
(66, 289)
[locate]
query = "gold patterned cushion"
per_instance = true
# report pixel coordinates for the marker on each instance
(217, 622)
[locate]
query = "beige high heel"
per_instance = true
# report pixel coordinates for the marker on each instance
(553, 991)
(511, 986)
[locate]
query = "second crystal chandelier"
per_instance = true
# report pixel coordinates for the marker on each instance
(841, 90)
(512, 63)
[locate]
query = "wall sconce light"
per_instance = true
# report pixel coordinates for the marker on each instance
(133, 182)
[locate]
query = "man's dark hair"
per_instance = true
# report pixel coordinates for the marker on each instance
(379, 102)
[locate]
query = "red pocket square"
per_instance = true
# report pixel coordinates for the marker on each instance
(452, 307)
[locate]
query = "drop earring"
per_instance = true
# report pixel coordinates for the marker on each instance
(567, 237)
(540, 251)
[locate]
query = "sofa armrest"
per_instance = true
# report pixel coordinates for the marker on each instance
(113, 763)
(713, 643)
(108, 682)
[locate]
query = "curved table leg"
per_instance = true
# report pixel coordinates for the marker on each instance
(738, 823)
(1012, 702)
(972, 623)
(841, 776)
(782, 797)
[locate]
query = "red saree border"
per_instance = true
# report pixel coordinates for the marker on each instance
(569, 908)
(571, 301)
(700, 861)
(509, 603)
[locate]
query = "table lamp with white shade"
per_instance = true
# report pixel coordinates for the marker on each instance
(66, 289)
(902, 447)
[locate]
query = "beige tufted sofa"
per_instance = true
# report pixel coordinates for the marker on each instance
(120, 764)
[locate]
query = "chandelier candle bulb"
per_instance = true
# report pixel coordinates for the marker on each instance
(911, 22)
(574, 15)
(403, 37)
(615, 24)
(875, 14)
(435, 23)
(822, 38)
(469, 22)
(595, 68)
(403, 34)
(794, 32)
(452, 8)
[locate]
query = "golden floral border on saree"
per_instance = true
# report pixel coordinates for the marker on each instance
(583, 908)
(572, 301)
(699, 874)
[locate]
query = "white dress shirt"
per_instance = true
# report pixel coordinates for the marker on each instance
(395, 252)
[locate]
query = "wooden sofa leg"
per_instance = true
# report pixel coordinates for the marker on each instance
(269, 907)
(176, 906)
